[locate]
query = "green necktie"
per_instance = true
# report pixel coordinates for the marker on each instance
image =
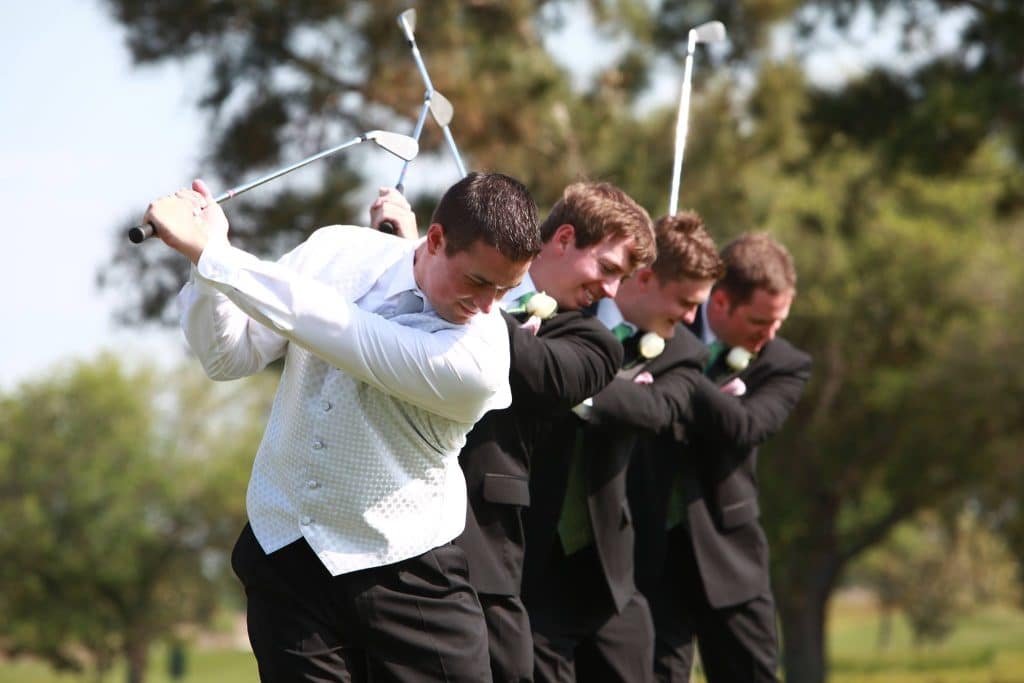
(676, 503)
(715, 351)
(623, 331)
(677, 499)
(574, 522)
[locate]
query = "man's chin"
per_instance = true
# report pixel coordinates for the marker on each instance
(457, 315)
(585, 300)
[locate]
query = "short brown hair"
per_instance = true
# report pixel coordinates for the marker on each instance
(598, 211)
(756, 261)
(493, 208)
(685, 249)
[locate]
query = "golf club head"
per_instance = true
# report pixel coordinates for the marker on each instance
(407, 20)
(441, 109)
(710, 32)
(402, 146)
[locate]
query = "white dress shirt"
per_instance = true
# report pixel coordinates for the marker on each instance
(611, 317)
(707, 335)
(360, 454)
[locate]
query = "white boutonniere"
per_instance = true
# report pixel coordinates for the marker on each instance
(739, 358)
(651, 345)
(541, 305)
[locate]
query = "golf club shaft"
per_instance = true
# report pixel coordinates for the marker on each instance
(416, 132)
(387, 226)
(455, 151)
(422, 67)
(682, 128)
(418, 58)
(143, 232)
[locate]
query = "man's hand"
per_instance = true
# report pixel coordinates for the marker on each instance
(188, 220)
(390, 205)
(532, 325)
(735, 387)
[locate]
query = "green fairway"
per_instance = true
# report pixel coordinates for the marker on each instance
(987, 647)
(215, 666)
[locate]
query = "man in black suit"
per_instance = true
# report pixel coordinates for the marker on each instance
(702, 557)
(589, 621)
(594, 237)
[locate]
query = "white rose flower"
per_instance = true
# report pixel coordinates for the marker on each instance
(542, 306)
(651, 345)
(738, 358)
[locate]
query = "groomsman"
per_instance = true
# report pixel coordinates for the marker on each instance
(594, 237)
(702, 555)
(589, 621)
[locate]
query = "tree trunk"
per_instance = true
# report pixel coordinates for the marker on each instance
(803, 638)
(884, 628)
(137, 656)
(804, 579)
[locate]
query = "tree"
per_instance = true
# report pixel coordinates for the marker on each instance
(899, 192)
(121, 535)
(936, 569)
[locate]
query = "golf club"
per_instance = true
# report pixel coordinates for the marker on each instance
(407, 21)
(401, 146)
(442, 111)
(710, 32)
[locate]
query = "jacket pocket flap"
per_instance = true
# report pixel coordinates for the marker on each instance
(507, 489)
(738, 514)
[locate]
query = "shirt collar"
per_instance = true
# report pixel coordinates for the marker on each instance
(511, 298)
(610, 315)
(707, 335)
(401, 277)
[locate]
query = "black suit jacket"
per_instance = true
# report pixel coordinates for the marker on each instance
(718, 460)
(622, 411)
(572, 357)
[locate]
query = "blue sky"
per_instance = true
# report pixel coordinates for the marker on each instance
(87, 140)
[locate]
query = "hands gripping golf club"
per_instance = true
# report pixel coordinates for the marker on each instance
(433, 102)
(710, 32)
(401, 146)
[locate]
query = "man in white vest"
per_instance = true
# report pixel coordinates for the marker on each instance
(393, 350)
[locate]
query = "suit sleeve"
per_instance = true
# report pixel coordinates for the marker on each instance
(747, 421)
(571, 358)
(654, 407)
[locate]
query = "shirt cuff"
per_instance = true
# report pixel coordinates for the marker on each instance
(219, 261)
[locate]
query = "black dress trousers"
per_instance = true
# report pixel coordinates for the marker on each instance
(415, 620)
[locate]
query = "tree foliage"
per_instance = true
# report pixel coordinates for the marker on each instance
(938, 568)
(126, 498)
(899, 191)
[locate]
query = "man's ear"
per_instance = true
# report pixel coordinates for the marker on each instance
(719, 300)
(645, 277)
(435, 239)
(564, 237)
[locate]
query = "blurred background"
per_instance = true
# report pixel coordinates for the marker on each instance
(880, 140)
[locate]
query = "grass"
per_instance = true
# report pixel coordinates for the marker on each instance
(210, 666)
(985, 647)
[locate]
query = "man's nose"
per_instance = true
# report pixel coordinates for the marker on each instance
(610, 287)
(484, 302)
